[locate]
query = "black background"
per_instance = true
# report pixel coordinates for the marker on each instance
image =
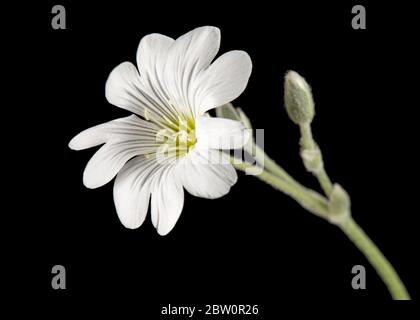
(255, 245)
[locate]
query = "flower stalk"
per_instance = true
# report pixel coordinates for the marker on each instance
(381, 264)
(335, 205)
(308, 199)
(319, 205)
(312, 158)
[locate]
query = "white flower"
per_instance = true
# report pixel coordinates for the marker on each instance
(169, 147)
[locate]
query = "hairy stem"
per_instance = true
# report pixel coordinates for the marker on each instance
(307, 142)
(317, 204)
(309, 199)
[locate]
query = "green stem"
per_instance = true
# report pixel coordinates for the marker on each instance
(317, 204)
(324, 181)
(269, 164)
(309, 199)
(307, 142)
(382, 266)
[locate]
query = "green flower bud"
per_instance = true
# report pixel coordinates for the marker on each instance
(339, 205)
(298, 98)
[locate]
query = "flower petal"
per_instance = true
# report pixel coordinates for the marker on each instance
(120, 129)
(132, 190)
(219, 133)
(152, 53)
(110, 158)
(121, 88)
(152, 57)
(203, 178)
(224, 80)
(125, 138)
(126, 90)
(188, 57)
(167, 201)
(91, 137)
(197, 48)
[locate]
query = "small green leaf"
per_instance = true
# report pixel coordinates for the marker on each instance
(228, 111)
(339, 205)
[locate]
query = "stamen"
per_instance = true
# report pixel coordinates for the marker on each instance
(177, 138)
(146, 115)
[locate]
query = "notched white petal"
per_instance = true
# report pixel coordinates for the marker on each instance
(224, 80)
(197, 48)
(125, 138)
(109, 159)
(122, 89)
(188, 57)
(152, 53)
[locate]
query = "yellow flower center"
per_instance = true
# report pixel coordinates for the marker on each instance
(178, 138)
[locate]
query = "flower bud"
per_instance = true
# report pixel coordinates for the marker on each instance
(298, 98)
(339, 205)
